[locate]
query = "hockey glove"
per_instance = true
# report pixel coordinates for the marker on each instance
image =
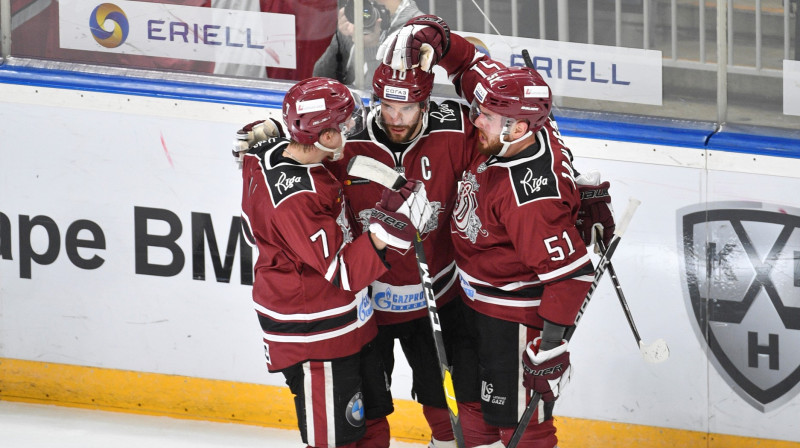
(595, 214)
(422, 42)
(393, 228)
(253, 133)
(408, 205)
(411, 200)
(546, 371)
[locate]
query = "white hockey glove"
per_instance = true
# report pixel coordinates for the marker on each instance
(422, 42)
(546, 371)
(414, 204)
(253, 133)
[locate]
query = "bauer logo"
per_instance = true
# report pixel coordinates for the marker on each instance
(395, 93)
(109, 25)
(741, 272)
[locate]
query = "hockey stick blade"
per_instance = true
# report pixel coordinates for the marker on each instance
(656, 352)
(375, 171)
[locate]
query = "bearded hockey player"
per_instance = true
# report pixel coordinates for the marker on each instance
(522, 261)
(426, 141)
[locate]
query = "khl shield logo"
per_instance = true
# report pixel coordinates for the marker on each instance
(741, 277)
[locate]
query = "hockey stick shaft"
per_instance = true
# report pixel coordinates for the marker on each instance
(598, 274)
(620, 295)
(444, 366)
(655, 352)
(373, 170)
(602, 264)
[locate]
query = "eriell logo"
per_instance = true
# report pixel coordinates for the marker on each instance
(112, 15)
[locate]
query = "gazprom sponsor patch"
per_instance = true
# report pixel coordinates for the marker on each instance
(468, 290)
(480, 93)
(397, 299)
(395, 93)
(304, 107)
(364, 306)
(536, 92)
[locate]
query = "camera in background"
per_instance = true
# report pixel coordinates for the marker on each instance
(372, 12)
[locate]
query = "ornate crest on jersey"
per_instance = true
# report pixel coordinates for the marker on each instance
(465, 219)
(741, 280)
(432, 224)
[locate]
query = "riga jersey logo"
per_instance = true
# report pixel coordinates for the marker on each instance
(111, 15)
(465, 219)
(286, 180)
(444, 114)
(741, 277)
(285, 183)
(532, 184)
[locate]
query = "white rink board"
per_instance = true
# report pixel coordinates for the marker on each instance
(98, 157)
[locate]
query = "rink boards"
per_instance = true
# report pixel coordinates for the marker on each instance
(118, 199)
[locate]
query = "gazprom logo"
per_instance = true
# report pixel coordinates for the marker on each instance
(112, 15)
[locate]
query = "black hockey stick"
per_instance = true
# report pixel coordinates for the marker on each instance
(375, 171)
(656, 352)
(602, 264)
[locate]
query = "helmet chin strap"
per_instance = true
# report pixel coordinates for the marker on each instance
(506, 132)
(337, 152)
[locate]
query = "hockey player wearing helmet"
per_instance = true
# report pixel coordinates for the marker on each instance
(424, 140)
(523, 264)
(314, 266)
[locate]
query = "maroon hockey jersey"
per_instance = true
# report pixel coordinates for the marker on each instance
(312, 271)
(437, 159)
(518, 251)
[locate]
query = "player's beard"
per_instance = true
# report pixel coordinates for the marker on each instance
(409, 131)
(490, 146)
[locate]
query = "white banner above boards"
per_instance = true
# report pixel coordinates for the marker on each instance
(180, 32)
(575, 70)
(791, 87)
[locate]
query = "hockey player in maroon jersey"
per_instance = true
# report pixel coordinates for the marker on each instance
(423, 140)
(314, 266)
(522, 261)
(426, 141)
